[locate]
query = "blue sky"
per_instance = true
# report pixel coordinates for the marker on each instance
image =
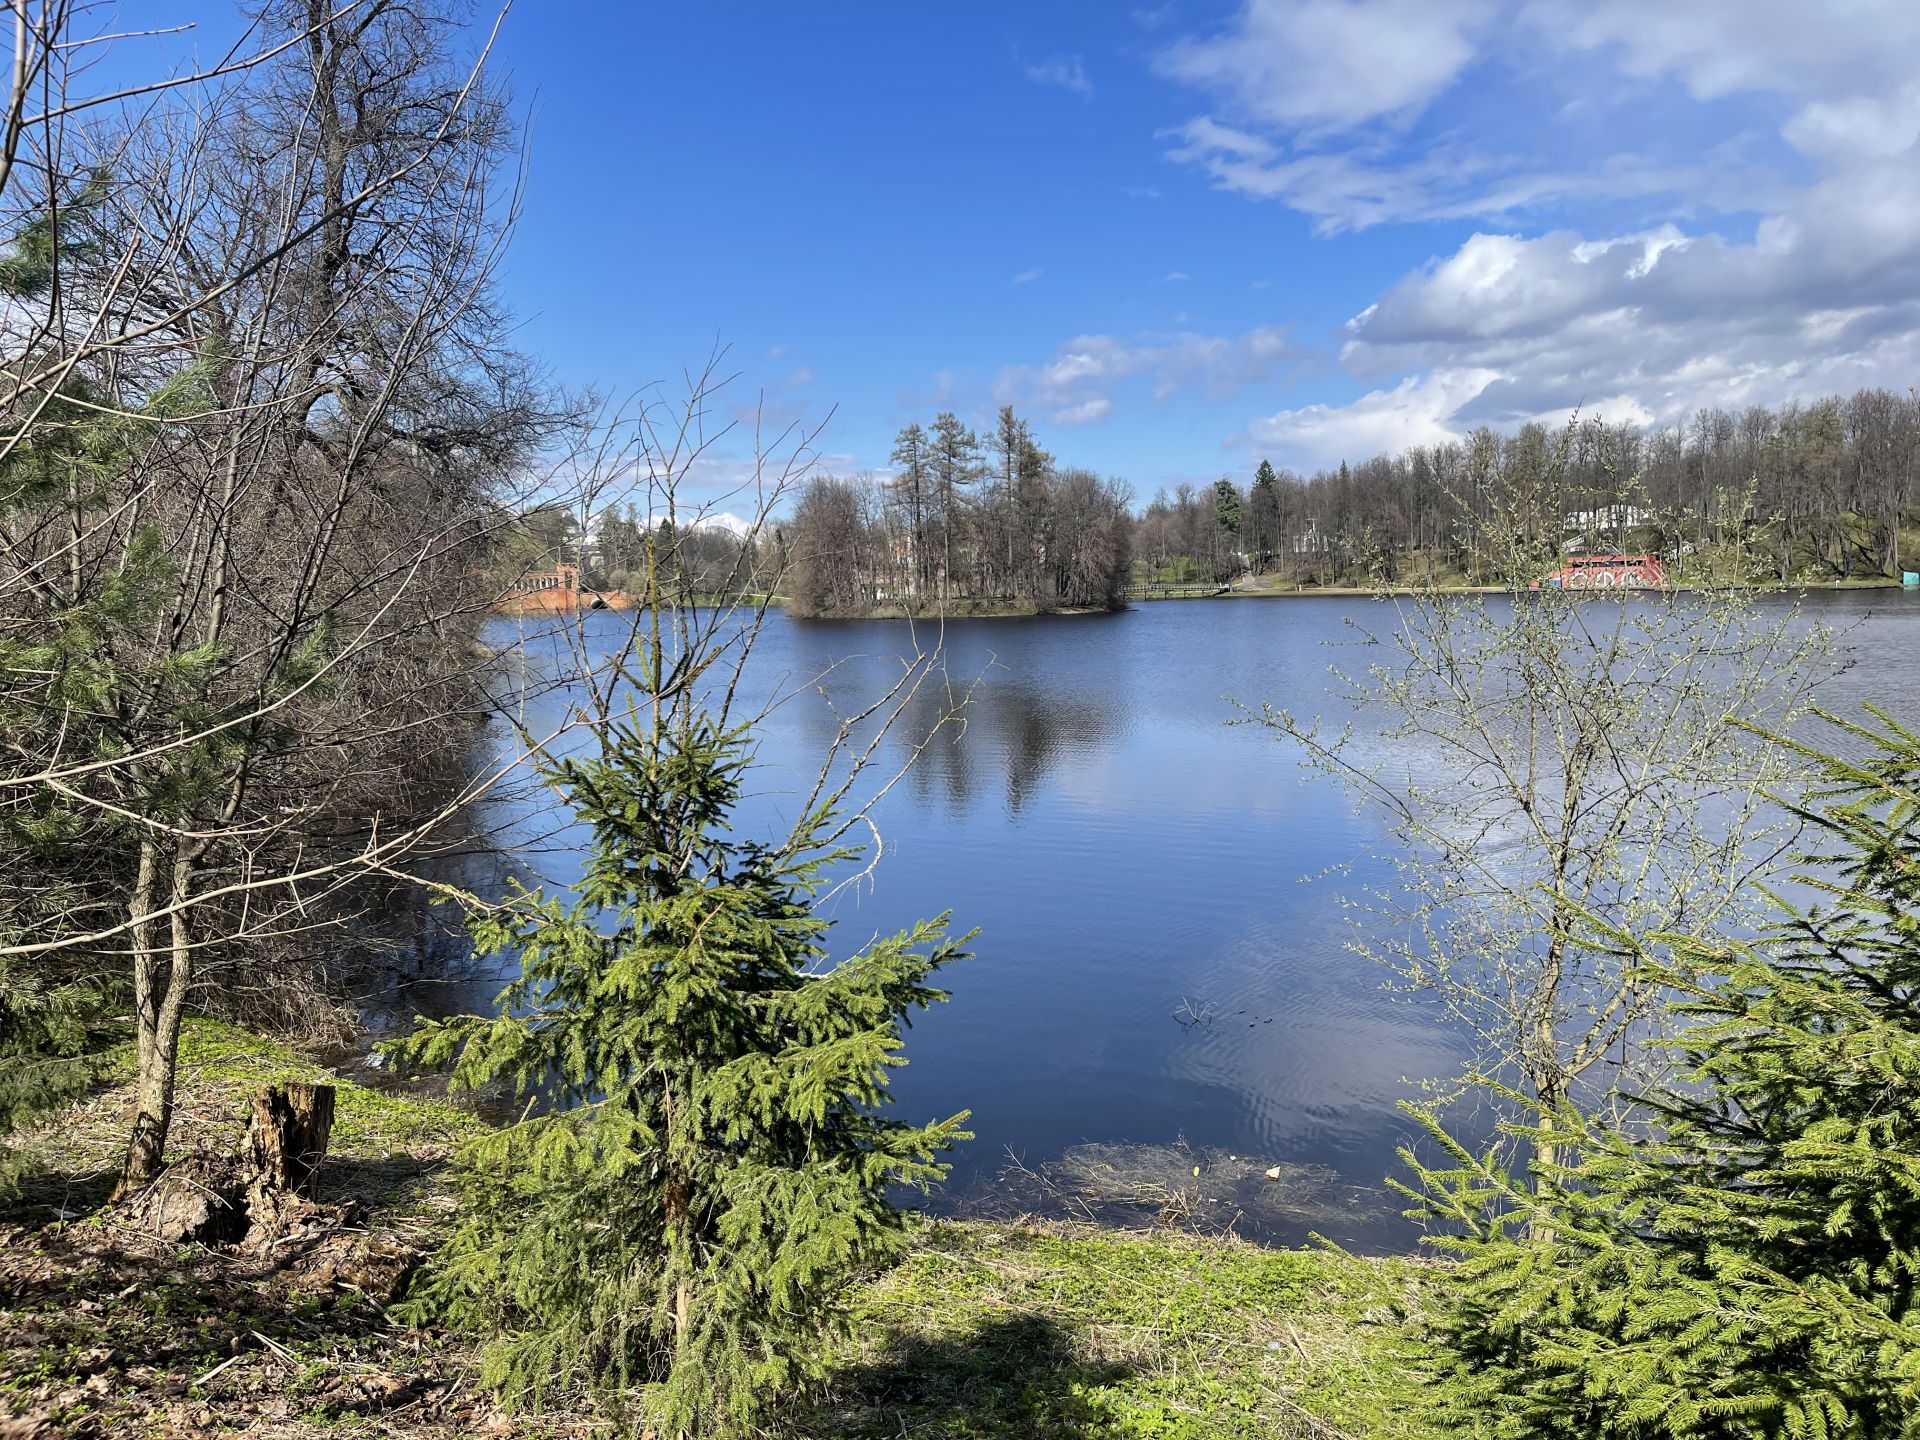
(1181, 237)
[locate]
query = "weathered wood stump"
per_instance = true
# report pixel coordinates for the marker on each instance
(249, 1199)
(287, 1139)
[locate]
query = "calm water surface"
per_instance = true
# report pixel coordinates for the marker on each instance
(1160, 978)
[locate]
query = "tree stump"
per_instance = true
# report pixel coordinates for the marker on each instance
(287, 1139)
(216, 1197)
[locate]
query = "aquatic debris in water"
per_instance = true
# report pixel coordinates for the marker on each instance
(1178, 1186)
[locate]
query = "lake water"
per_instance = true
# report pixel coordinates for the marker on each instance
(1160, 980)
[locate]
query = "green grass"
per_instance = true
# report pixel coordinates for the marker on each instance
(223, 1059)
(1024, 1331)
(1050, 1331)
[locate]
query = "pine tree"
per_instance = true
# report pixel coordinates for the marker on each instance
(60, 689)
(44, 1060)
(1263, 514)
(1743, 1261)
(711, 1166)
(954, 466)
(1226, 525)
(911, 485)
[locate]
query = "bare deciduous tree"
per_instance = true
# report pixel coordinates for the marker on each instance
(1553, 758)
(260, 423)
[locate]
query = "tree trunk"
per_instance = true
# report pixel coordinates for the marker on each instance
(252, 1198)
(159, 1003)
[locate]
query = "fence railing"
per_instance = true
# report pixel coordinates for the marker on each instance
(1173, 592)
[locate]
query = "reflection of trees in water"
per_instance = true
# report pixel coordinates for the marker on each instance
(407, 952)
(975, 730)
(412, 955)
(998, 729)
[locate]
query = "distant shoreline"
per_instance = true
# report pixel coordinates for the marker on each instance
(1366, 592)
(549, 602)
(963, 611)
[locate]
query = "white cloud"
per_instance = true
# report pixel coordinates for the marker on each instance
(1066, 72)
(1647, 327)
(1175, 277)
(1314, 101)
(1084, 413)
(1756, 266)
(1720, 47)
(1859, 125)
(803, 376)
(727, 521)
(1077, 382)
(1140, 192)
(1589, 313)
(1365, 185)
(1330, 64)
(1417, 411)
(1027, 277)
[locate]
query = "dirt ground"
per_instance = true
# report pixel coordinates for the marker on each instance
(107, 1332)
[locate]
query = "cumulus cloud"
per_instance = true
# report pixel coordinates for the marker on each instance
(1076, 385)
(1417, 411)
(1330, 64)
(1065, 72)
(1647, 327)
(1760, 258)
(1849, 242)
(1085, 413)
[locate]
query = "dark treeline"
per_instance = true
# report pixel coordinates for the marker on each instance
(961, 521)
(698, 558)
(1818, 490)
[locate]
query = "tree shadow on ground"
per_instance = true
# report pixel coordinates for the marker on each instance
(1020, 1377)
(104, 1329)
(50, 1195)
(67, 1189)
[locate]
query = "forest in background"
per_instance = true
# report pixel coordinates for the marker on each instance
(1811, 492)
(961, 520)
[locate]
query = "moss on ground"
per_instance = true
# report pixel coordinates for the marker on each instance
(984, 1331)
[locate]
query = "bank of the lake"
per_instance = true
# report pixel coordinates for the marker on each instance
(1275, 591)
(988, 1331)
